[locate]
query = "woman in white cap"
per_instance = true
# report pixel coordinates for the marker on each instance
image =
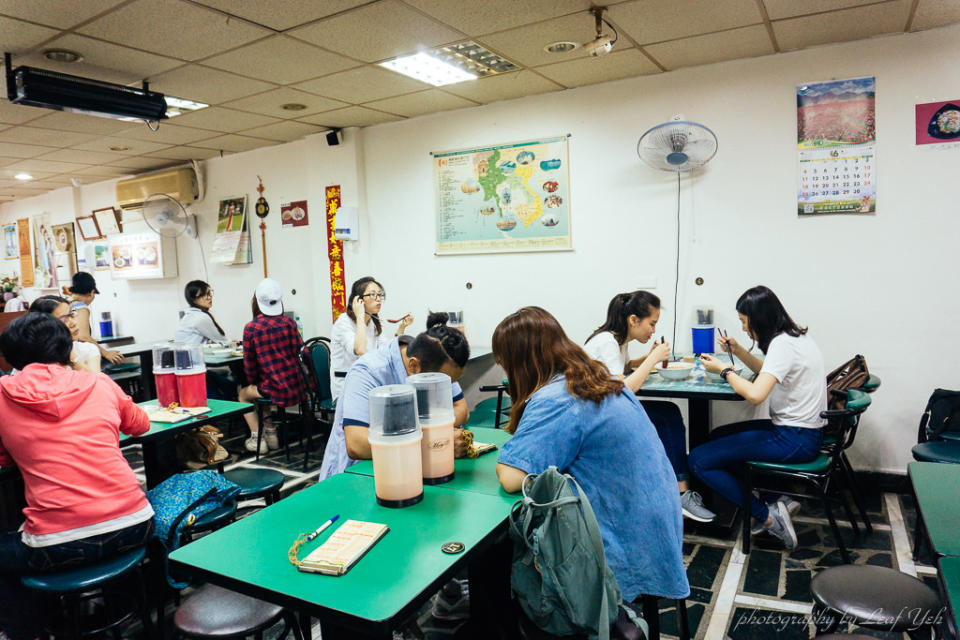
(271, 345)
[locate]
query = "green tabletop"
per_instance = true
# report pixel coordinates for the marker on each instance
(934, 487)
(657, 385)
(949, 577)
(470, 474)
(218, 409)
(388, 584)
(219, 361)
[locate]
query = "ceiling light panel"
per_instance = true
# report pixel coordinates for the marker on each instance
(427, 68)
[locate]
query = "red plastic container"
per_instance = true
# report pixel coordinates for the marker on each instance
(166, 388)
(192, 389)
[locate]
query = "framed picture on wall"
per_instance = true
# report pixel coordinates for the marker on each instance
(11, 250)
(89, 229)
(108, 220)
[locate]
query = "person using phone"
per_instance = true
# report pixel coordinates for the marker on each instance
(634, 316)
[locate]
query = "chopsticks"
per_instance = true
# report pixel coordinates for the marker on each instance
(727, 347)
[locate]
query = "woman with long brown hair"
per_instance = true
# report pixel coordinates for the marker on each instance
(570, 413)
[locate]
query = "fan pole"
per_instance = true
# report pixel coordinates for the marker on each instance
(263, 239)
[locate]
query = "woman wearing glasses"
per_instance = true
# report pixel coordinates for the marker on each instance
(197, 324)
(346, 343)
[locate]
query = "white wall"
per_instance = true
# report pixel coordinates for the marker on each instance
(871, 285)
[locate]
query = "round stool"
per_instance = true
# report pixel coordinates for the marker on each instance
(74, 586)
(873, 597)
(210, 521)
(256, 483)
(214, 612)
(938, 451)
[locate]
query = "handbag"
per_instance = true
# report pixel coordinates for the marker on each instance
(852, 374)
(200, 447)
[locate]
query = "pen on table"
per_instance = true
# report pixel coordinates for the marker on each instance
(322, 527)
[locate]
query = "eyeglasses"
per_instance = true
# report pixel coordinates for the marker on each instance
(208, 294)
(375, 296)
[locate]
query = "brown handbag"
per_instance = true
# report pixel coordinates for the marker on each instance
(852, 374)
(200, 447)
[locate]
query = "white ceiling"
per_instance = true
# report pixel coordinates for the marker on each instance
(247, 58)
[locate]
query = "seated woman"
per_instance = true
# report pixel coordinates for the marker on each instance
(439, 348)
(60, 427)
(83, 290)
(197, 326)
(271, 351)
(793, 378)
(568, 412)
(634, 316)
(84, 355)
(346, 343)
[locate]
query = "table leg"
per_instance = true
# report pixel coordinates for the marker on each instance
(159, 461)
(491, 611)
(698, 410)
(146, 375)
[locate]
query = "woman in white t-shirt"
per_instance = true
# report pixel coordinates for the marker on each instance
(85, 356)
(346, 343)
(793, 378)
(634, 316)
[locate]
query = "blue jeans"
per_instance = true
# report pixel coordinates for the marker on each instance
(719, 463)
(668, 422)
(19, 617)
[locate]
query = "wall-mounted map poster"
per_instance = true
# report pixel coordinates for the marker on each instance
(501, 198)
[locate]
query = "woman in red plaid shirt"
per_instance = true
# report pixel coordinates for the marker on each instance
(271, 346)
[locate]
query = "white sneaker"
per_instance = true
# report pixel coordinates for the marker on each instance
(793, 506)
(270, 437)
(250, 444)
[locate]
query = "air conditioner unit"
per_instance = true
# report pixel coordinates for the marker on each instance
(52, 90)
(180, 184)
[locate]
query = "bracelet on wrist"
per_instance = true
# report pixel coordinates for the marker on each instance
(726, 372)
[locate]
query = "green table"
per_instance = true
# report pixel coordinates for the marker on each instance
(156, 466)
(949, 578)
(470, 474)
(386, 586)
(938, 507)
(221, 361)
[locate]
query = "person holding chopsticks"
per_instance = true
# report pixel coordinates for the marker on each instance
(792, 376)
(634, 316)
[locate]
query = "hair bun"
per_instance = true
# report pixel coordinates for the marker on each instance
(437, 319)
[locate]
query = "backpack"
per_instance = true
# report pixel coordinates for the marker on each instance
(182, 498)
(560, 575)
(852, 374)
(942, 414)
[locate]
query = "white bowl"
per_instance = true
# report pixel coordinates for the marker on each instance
(675, 370)
(715, 377)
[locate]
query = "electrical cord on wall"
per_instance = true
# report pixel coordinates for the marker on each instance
(676, 282)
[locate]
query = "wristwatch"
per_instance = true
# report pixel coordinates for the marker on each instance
(726, 372)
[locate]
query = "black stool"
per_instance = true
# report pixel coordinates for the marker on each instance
(218, 614)
(210, 521)
(67, 590)
(256, 483)
(874, 598)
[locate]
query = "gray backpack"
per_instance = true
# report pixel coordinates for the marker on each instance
(560, 575)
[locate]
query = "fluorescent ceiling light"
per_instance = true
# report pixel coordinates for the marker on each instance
(23, 176)
(426, 68)
(176, 106)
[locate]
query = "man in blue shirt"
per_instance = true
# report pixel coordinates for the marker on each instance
(437, 349)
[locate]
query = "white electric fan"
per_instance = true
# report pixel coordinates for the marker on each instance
(679, 146)
(169, 218)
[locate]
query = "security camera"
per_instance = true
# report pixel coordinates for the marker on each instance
(599, 46)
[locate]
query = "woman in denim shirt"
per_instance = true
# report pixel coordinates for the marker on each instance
(569, 413)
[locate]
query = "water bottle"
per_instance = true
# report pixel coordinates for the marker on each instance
(699, 373)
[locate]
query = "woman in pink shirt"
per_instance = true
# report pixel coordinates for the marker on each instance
(61, 428)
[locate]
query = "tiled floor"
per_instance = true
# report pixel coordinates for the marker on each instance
(763, 595)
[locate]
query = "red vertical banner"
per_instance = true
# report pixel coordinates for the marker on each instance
(338, 291)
